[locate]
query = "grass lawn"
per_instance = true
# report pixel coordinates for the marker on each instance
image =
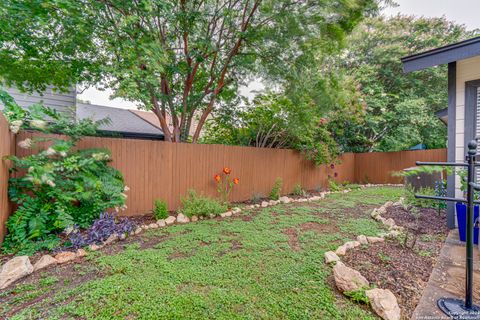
(264, 264)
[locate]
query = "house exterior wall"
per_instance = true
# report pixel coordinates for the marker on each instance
(467, 70)
(60, 101)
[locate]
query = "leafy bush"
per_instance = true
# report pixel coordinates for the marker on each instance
(198, 205)
(161, 210)
(277, 189)
(333, 185)
(410, 199)
(58, 187)
(298, 191)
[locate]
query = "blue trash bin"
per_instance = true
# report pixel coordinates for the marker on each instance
(462, 222)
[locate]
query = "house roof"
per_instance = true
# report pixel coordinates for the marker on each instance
(126, 122)
(443, 55)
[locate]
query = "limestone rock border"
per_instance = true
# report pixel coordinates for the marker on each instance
(384, 301)
(70, 256)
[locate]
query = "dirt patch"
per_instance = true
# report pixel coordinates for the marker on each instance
(292, 238)
(319, 227)
(179, 255)
(236, 245)
(403, 269)
(430, 221)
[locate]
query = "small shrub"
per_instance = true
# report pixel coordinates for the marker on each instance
(198, 205)
(277, 189)
(298, 191)
(161, 210)
(410, 200)
(333, 185)
(357, 296)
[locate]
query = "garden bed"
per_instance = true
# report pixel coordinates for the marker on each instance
(397, 266)
(267, 266)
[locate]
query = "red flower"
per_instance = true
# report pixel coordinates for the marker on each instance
(332, 166)
(236, 180)
(336, 174)
(217, 178)
(227, 170)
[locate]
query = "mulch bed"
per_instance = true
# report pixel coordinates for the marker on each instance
(398, 267)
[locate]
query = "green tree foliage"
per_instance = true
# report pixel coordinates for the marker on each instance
(181, 58)
(57, 187)
(399, 108)
(274, 121)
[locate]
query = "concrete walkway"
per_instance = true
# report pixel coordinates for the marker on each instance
(448, 279)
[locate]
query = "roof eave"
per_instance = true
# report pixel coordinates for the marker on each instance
(443, 55)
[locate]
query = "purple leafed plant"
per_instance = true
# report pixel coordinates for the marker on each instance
(101, 229)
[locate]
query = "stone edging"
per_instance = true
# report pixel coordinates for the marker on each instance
(19, 267)
(382, 301)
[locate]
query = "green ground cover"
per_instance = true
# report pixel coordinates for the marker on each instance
(263, 264)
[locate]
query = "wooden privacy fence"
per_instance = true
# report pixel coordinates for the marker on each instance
(160, 170)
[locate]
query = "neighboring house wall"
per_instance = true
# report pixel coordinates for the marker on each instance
(467, 70)
(60, 101)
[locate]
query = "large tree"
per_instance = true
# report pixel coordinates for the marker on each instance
(179, 58)
(399, 108)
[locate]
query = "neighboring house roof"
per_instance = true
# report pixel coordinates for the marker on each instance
(153, 119)
(125, 122)
(443, 115)
(443, 55)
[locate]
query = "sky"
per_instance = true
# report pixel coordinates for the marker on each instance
(461, 11)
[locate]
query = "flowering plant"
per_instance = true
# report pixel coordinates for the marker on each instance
(57, 187)
(225, 183)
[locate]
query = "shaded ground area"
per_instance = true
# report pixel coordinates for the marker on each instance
(266, 263)
(448, 279)
(404, 268)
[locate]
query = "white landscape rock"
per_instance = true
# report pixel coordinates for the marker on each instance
(284, 199)
(181, 218)
(348, 279)
(341, 251)
(351, 244)
(113, 237)
(65, 256)
(96, 247)
(236, 210)
(137, 231)
(161, 223)
(226, 214)
(315, 198)
(15, 269)
(45, 261)
(194, 219)
(375, 239)
(81, 253)
(170, 220)
(153, 226)
(374, 213)
(384, 303)
(272, 202)
(264, 204)
(362, 239)
(389, 223)
(331, 256)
